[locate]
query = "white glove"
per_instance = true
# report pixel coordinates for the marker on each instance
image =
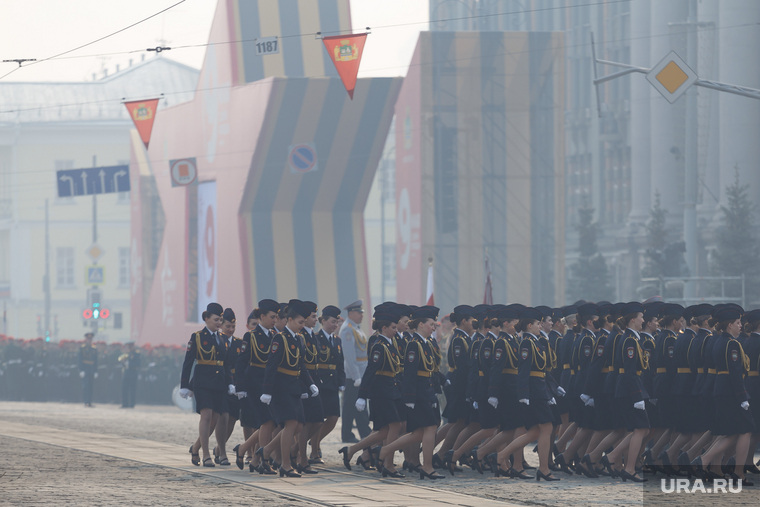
(241, 394)
(314, 390)
(360, 404)
(357, 382)
(304, 396)
(494, 402)
(95, 375)
(410, 405)
(552, 402)
(342, 388)
(185, 393)
(590, 402)
(231, 389)
(745, 405)
(448, 382)
(81, 374)
(561, 391)
(266, 399)
(475, 405)
(585, 398)
(639, 405)
(525, 400)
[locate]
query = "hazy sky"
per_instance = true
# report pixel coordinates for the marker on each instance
(42, 28)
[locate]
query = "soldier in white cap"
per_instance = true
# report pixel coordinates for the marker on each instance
(355, 356)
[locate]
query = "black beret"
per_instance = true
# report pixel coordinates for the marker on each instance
(671, 310)
(727, 313)
(299, 307)
(462, 312)
(752, 317)
(531, 314)
(425, 312)
(586, 311)
(701, 310)
(569, 310)
(214, 309)
(545, 311)
(631, 308)
(311, 306)
(269, 305)
(330, 311)
(228, 315)
(252, 315)
(512, 312)
(652, 310)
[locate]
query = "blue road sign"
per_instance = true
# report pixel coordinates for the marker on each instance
(93, 180)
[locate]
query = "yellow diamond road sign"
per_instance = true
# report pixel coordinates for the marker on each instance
(94, 252)
(671, 77)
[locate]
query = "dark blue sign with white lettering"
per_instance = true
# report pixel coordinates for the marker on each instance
(93, 180)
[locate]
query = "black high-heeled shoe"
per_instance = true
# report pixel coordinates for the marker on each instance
(374, 455)
(306, 470)
(632, 477)
(752, 469)
(476, 464)
(560, 462)
(437, 462)
(432, 475)
(605, 461)
(195, 458)
(288, 473)
(729, 466)
(520, 475)
(239, 460)
(395, 474)
(216, 457)
(587, 467)
(548, 477)
(492, 460)
(696, 467)
(526, 466)
(346, 459)
(364, 464)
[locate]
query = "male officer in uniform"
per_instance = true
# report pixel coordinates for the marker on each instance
(354, 343)
(88, 367)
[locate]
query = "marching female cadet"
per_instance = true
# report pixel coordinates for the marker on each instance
(502, 390)
(380, 386)
(630, 393)
(229, 419)
(250, 368)
(733, 423)
(284, 381)
(534, 398)
(751, 347)
(486, 412)
(312, 405)
(664, 375)
(418, 392)
(332, 375)
(210, 383)
(457, 411)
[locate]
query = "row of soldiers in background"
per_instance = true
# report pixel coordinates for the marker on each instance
(35, 370)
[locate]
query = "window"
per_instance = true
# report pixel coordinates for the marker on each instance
(123, 266)
(64, 267)
(389, 265)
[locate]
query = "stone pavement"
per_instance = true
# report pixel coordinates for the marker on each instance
(329, 487)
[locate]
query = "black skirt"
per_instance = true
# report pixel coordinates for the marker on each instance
(731, 418)
(207, 398)
(487, 415)
(383, 412)
(330, 402)
(456, 409)
(633, 417)
(511, 414)
(312, 409)
(423, 414)
(286, 407)
(253, 413)
(233, 406)
(605, 415)
(688, 414)
(538, 412)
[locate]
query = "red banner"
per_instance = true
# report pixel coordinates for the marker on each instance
(346, 52)
(143, 113)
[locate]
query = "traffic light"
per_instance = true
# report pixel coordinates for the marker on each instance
(95, 311)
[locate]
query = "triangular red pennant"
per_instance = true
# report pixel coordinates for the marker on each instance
(143, 113)
(346, 52)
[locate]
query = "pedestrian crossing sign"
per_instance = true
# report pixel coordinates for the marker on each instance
(95, 275)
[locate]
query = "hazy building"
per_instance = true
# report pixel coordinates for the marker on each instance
(50, 126)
